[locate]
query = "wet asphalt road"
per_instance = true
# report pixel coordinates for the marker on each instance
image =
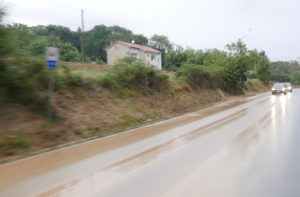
(252, 149)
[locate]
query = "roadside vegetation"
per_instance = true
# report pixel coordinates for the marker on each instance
(94, 100)
(133, 75)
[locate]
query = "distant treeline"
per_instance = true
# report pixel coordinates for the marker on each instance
(35, 39)
(256, 66)
(286, 71)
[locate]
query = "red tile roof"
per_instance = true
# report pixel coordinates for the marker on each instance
(141, 47)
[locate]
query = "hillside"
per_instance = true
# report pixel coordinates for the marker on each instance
(86, 112)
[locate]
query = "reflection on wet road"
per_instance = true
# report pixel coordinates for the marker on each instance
(248, 150)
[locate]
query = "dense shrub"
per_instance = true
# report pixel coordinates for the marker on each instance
(23, 78)
(225, 70)
(201, 76)
(69, 53)
(99, 61)
(232, 78)
(136, 76)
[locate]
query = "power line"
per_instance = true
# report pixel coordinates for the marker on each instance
(86, 13)
(64, 7)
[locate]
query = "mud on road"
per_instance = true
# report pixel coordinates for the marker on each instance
(35, 165)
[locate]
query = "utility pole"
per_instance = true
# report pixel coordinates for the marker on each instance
(82, 38)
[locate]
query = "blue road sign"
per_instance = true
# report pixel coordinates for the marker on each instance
(52, 63)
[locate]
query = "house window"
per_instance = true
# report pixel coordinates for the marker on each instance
(116, 58)
(147, 54)
(116, 47)
(152, 57)
(134, 55)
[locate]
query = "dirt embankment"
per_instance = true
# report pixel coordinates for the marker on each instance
(87, 66)
(90, 114)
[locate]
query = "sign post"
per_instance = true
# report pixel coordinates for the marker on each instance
(52, 57)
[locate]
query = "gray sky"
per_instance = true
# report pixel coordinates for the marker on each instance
(270, 25)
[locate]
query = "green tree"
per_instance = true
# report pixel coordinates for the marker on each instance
(39, 30)
(76, 36)
(263, 69)
(195, 56)
(214, 57)
(64, 33)
(123, 34)
(162, 44)
(38, 46)
(69, 53)
(140, 39)
(22, 35)
(119, 33)
(97, 39)
(239, 61)
(175, 58)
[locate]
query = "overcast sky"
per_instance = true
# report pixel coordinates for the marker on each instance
(269, 25)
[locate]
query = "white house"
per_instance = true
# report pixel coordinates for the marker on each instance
(120, 49)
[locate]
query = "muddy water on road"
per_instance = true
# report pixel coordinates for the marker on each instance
(262, 160)
(21, 170)
(248, 150)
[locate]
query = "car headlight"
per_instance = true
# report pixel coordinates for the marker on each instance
(289, 88)
(273, 89)
(283, 89)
